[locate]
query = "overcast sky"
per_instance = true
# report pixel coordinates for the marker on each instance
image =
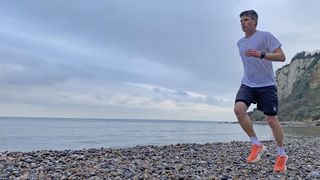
(165, 59)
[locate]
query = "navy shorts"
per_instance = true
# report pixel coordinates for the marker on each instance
(266, 98)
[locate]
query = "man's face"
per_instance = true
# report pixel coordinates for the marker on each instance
(247, 24)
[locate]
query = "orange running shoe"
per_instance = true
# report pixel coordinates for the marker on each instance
(280, 165)
(256, 152)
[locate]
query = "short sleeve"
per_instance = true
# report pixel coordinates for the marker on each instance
(272, 42)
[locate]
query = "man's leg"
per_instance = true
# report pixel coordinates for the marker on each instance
(240, 109)
(280, 165)
(276, 129)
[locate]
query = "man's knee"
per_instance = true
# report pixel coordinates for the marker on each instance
(240, 109)
(272, 121)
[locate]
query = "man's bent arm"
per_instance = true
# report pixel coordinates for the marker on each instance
(276, 55)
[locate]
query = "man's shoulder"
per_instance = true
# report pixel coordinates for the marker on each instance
(263, 33)
(240, 40)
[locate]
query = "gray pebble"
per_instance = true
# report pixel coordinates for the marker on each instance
(181, 161)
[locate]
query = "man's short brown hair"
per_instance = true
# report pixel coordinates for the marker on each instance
(250, 13)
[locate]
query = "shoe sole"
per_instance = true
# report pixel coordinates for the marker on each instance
(259, 155)
(285, 168)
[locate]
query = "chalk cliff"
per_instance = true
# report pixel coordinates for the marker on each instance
(298, 89)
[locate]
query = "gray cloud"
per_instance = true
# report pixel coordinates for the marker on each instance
(95, 54)
(173, 33)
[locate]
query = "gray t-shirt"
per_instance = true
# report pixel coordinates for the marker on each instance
(258, 72)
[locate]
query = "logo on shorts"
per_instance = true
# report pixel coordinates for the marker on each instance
(274, 109)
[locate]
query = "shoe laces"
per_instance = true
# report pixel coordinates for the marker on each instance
(255, 148)
(280, 160)
(254, 151)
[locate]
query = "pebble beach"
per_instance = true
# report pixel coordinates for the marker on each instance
(178, 161)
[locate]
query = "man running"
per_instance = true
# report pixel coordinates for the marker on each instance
(257, 50)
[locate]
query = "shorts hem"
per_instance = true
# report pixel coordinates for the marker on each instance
(244, 101)
(270, 114)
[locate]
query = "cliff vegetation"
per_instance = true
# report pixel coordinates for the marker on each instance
(298, 89)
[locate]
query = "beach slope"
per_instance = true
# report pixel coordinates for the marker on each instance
(179, 161)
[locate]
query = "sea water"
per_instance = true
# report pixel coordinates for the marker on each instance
(29, 134)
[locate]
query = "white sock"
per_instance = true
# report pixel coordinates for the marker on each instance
(281, 151)
(255, 140)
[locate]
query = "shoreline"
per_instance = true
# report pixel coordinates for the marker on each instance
(178, 161)
(293, 124)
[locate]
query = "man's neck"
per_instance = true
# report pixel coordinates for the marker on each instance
(250, 33)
